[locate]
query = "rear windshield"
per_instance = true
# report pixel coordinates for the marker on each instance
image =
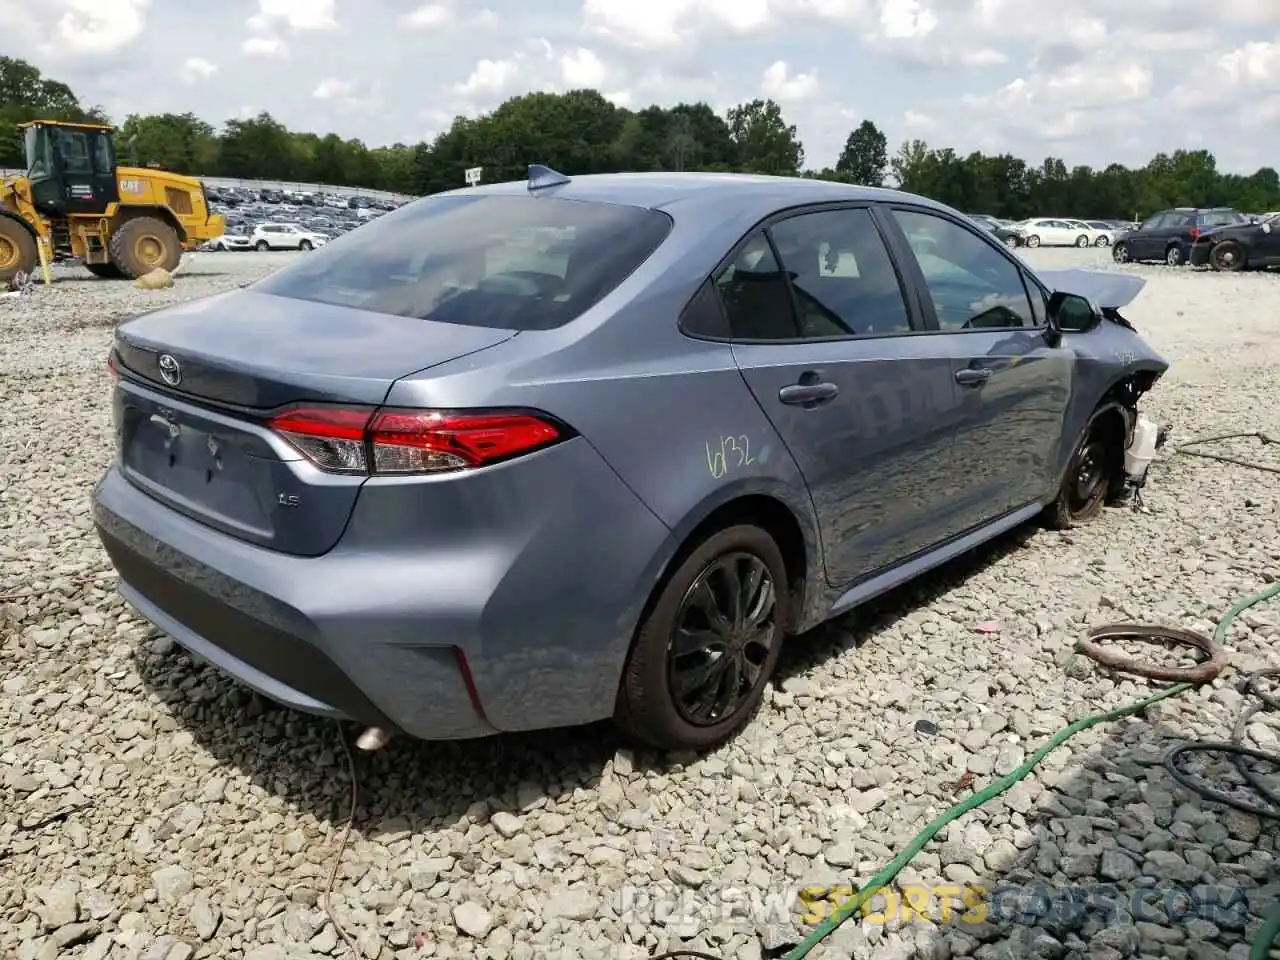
(512, 262)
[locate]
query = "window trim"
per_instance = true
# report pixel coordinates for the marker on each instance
(918, 279)
(915, 308)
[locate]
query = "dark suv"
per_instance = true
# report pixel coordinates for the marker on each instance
(1169, 234)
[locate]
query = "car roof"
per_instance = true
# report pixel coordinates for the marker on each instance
(689, 192)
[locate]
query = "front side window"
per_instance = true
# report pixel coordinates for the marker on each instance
(972, 285)
(844, 280)
(73, 145)
(510, 262)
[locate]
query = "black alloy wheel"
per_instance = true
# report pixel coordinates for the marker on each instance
(722, 638)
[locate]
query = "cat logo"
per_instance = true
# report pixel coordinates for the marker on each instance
(131, 186)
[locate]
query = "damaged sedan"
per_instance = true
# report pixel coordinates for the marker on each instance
(536, 454)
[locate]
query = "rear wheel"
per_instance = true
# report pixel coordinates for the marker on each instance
(1011, 242)
(1082, 241)
(104, 271)
(1228, 255)
(1094, 476)
(18, 252)
(1120, 253)
(706, 649)
(304, 246)
(144, 244)
(1173, 256)
(1102, 241)
(262, 246)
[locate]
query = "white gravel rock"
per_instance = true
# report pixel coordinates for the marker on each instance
(155, 809)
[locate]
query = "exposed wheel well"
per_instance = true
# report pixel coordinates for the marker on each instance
(162, 213)
(769, 515)
(18, 219)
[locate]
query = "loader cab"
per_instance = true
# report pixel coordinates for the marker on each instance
(71, 166)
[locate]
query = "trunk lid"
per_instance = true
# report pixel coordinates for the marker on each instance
(199, 442)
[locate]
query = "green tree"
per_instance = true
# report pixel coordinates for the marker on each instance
(26, 94)
(179, 142)
(765, 142)
(865, 156)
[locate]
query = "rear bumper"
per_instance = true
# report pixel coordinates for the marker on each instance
(448, 637)
(1199, 256)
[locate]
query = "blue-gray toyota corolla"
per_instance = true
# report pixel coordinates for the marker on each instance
(540, 453)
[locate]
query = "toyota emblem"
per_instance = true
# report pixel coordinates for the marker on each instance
(170, 369)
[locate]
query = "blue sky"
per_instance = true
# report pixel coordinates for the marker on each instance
(1092, 81)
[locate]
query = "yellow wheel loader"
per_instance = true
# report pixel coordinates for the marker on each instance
(78, 204)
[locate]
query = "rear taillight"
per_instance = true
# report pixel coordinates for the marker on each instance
(1195, 233)
(111, 364)
(398, 442)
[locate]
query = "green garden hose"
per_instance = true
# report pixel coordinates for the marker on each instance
(1270, 930)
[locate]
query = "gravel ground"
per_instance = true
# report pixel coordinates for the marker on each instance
(152, 809)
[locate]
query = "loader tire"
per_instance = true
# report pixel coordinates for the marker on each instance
(18, 252)
(144, 244)
(104, 271)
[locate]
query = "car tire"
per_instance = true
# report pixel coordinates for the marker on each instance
(1082, 241)
(648, 706)
(262, 246)
(1094, 476)
(1228, 256)
(1033, 241)
(1173, 256)
(1102, 242)
(304, 245)
(1120, 253)
(143, 244)
(1011, 243)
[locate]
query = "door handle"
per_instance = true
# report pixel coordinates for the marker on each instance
(808, 394)
(973, 376)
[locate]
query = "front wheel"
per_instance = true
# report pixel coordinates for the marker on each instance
(707, 648)
(1033, 241)
(1094, 475)
(1082, 241)
(1228, 255)
(1102, 242)
(1173, 256)
(304, 246)
(1120, 253)
(262, 246)
(1011, 242)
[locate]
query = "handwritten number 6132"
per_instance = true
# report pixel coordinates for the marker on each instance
(729, 453)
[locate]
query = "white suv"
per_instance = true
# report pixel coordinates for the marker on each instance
(285, 236)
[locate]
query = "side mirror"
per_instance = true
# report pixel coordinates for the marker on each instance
(1072, 313)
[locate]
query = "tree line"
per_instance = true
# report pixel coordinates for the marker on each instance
(581, 132)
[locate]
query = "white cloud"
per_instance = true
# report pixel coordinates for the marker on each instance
(490, 78)
(485, 19)
(918, 123)
(95, 27)
(428, 17)
(664, 24)
(580, 67)
(299, 15)
(264, 47)
(331, 88)
(195, 69)
(906, 19)
(779, 84)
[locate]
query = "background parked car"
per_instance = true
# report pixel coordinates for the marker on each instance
(231, 240)
(286, 236)
(1169, 234)
(1055, 233)
(1239, 246)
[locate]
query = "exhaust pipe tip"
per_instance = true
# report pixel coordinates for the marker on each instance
(374, 738)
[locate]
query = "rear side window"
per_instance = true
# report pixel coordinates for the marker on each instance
(511, 262)
(1221, 218)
